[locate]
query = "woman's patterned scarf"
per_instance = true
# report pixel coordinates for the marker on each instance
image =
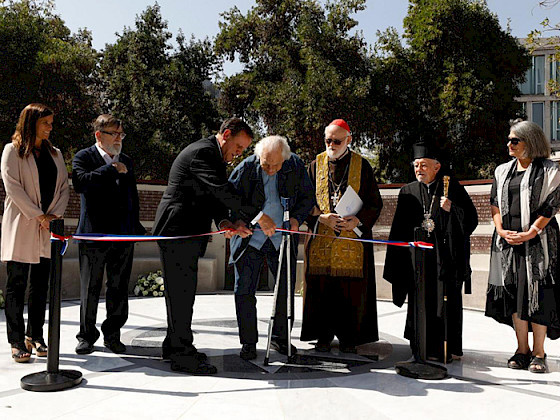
(538, 185)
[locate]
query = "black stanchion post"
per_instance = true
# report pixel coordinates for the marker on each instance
(419, 368)
(419, 258)
(289, 296)
(53, 379)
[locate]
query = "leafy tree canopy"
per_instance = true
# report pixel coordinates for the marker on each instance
(41, 61)
(302, 68)
(158, 91)
(451, 80)
(453, 84)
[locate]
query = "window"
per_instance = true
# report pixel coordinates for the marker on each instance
(526, 86)
(555, 69)
(535, 83)
(538, 113)
(538, 74)
(555, 121)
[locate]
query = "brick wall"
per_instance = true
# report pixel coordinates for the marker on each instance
(73, 209)
(480, 244)
(388, 211)
(482, 203)
(150, 195)
(149, 201)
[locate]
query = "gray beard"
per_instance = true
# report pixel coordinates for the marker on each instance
(114, 149)
(331, 156)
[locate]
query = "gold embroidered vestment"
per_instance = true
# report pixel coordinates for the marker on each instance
(335, 257)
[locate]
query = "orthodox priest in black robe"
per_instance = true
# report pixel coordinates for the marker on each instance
(448, 223)
(340, 293)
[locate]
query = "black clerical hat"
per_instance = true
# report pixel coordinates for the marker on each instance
(425, 150)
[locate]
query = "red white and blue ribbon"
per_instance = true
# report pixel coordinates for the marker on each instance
(418, 244)
(101, 237)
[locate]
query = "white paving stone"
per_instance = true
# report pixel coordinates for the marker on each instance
(480, 386)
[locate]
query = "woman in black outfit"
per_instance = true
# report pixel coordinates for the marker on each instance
(523, 279)
(36, 183)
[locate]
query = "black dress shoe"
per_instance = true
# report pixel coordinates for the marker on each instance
(323, 346)
(115, 346)
(166, 354)
(347, 348)
(248, 352)
(282, 347)
(191, 364)
(84, 347)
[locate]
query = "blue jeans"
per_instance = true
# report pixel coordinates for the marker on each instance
(247, 270)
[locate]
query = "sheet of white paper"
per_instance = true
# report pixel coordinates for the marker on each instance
(349, 205)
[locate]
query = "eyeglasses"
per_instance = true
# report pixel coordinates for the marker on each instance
(336, 141)
(514, 140)
(115, 134)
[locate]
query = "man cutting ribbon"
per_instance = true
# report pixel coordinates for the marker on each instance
(262, 179)
(197, 193)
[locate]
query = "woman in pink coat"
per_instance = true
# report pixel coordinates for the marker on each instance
(36, 183)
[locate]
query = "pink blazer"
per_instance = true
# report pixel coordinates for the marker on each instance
(22, 238)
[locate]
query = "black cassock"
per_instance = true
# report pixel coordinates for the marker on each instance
(447, 265)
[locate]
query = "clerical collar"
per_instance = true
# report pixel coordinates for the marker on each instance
(429, 186)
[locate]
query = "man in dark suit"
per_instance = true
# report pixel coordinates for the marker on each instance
(262, 179)
(105, 179)
(197, 193)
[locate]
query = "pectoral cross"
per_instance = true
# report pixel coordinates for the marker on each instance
(335, 198)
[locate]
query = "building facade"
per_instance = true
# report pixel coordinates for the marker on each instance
(541, 102)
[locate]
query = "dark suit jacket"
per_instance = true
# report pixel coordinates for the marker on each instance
(197, 192)
(109, 200)
(293, 183)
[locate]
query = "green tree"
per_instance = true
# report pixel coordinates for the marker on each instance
(158, 91)
(454, 83)
(41, 61)
(302, 67)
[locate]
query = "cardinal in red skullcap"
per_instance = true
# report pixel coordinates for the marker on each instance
(340, 295)
(341, 123)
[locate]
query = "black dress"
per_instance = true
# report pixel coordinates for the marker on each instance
(515, 300)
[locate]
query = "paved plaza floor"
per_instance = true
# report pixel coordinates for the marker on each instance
(139, 385)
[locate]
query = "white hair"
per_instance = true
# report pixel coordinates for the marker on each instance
(273, 143)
